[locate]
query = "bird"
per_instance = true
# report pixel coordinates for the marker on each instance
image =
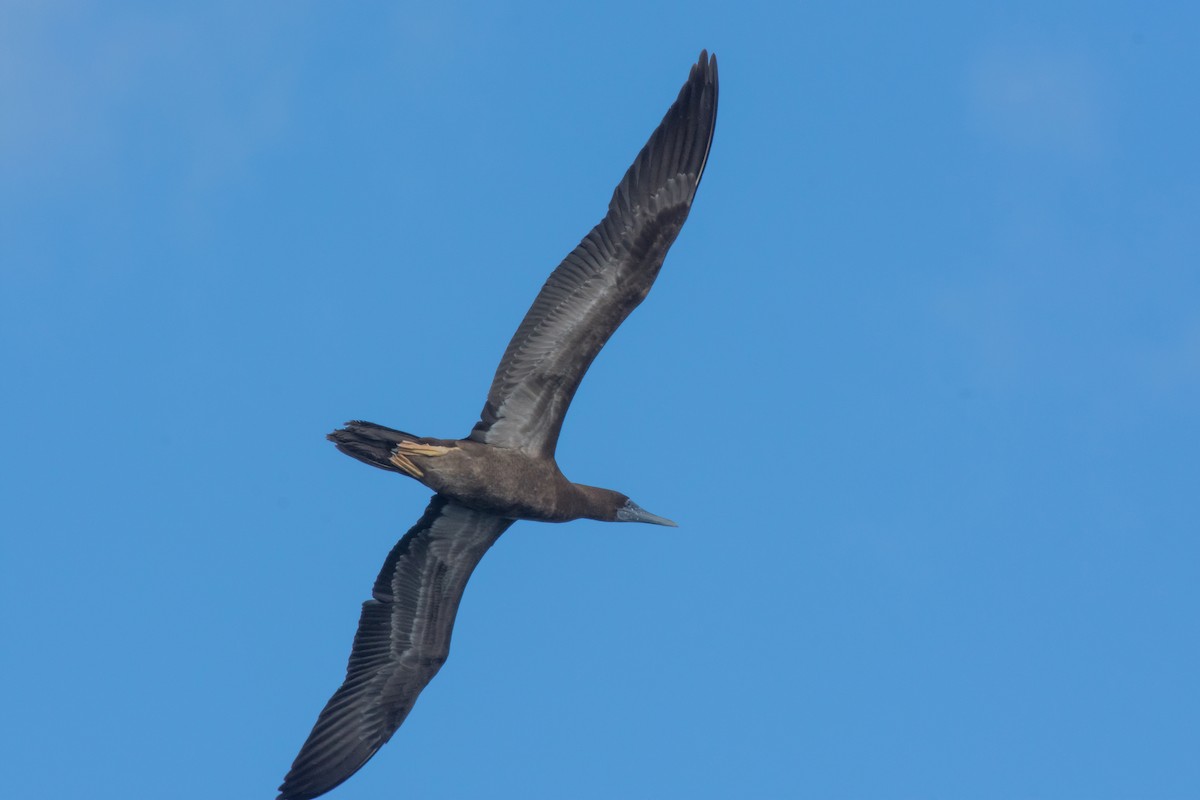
(505, 469)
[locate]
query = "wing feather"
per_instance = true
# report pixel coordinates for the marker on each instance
(603, 279)
(402, 641)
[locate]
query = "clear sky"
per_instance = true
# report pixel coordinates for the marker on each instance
(920, 381)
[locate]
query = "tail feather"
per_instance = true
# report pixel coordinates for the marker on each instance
(370, 443)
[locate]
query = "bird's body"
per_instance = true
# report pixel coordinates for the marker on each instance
(504, 481)
(505, 469)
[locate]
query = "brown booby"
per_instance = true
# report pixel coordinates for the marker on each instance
(505, 469)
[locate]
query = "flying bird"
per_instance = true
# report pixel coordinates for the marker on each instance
(505, 469)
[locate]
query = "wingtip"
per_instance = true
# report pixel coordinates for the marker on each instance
(706, 63)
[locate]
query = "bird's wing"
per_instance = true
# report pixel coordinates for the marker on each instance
(402, 640)
(603, 279)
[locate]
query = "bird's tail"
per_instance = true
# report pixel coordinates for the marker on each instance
(372, 444)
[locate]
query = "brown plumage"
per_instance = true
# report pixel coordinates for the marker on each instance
(505, 469)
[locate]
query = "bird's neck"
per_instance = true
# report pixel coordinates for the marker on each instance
(596, 503)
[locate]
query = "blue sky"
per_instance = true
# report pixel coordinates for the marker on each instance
(919, 381)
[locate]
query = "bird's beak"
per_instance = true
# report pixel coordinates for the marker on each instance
(632, 512)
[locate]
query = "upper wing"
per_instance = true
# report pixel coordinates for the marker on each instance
(403, 639)
(596, 287)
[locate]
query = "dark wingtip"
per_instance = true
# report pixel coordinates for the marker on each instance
(706, 67)
(679, 145)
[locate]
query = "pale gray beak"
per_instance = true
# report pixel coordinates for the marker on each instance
(632, 512)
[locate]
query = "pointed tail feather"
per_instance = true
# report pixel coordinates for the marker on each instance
(370, 443)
